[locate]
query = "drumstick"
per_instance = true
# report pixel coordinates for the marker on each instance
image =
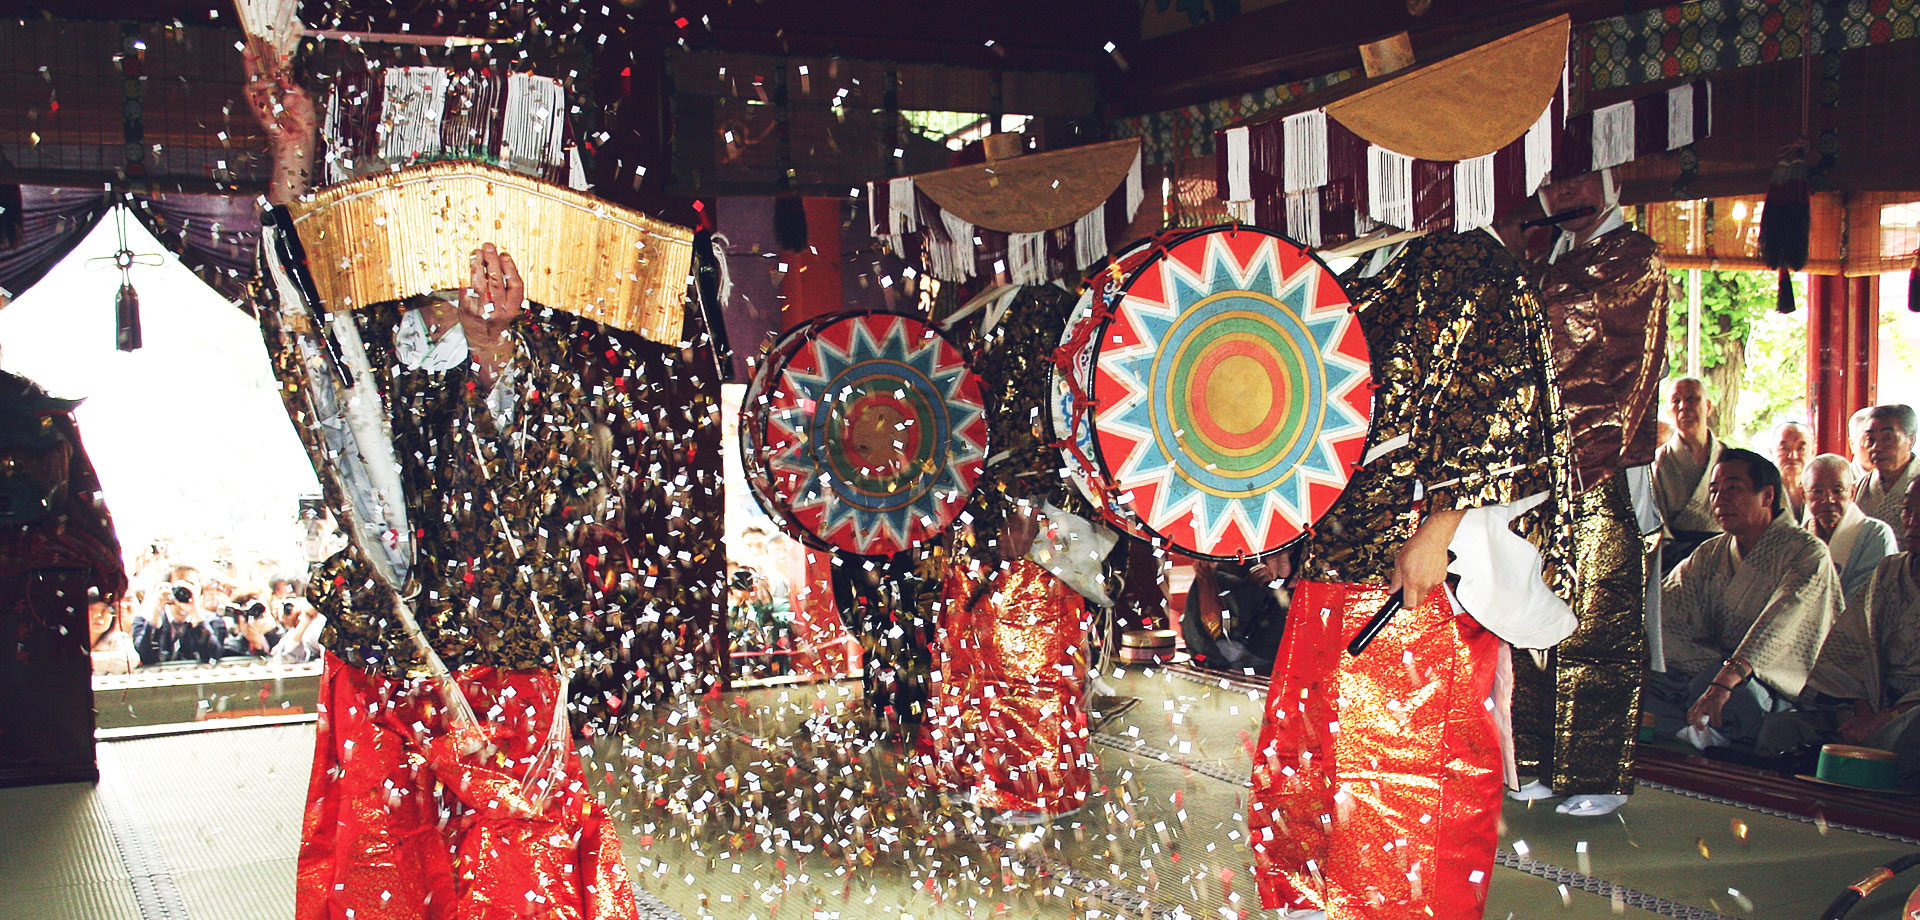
(1378, 622)
(1560, 218)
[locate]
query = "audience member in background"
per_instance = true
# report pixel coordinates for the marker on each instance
(112, 648)
(300, 626)
(1872, 662)
(1745, 615)
(1680, 469)
(1855, 542)
(1857, 440)
(175, 628)
(1882, 494)
(1791, 448)
(253, 631)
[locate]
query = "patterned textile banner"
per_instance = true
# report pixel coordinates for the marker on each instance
(1698, 38)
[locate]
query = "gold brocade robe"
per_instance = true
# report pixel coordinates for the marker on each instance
(1575, 721)
(468, 484)
(1377, 778)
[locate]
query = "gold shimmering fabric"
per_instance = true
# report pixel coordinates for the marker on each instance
(1607, 308)
(407, 821)
(468, 483)
(1007, 718)
(1575, 722)
(1377, 779)
(1461, 368)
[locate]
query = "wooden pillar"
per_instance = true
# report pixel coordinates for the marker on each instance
(1842, 338)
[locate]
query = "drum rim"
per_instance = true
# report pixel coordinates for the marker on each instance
(798, 332)
(1100, 339)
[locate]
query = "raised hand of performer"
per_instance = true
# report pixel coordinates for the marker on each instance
(1421, 563)
(286, 112)
(494, 299)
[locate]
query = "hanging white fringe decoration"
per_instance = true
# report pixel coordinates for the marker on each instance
(275, 23)
(1389, 187)
(1305, 140)
(1613, 135)
(534, 132)
(1239, 164)
(1303, 216)
(1027, 258)
(903, 212)
(1090, 238)
(416, 98)
(720, 244)
(1136, 188)
(1473, 193)
(952, 258)
(1540, 149)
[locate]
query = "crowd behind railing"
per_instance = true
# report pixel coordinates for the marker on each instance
(174, 613)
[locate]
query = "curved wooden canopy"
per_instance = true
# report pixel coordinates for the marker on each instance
(1029, 194)
(1463, 106)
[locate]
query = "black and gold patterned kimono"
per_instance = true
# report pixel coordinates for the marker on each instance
(469, 484)
(1575, 721)
(1377, 779)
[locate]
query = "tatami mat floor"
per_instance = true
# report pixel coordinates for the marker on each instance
(206, 826)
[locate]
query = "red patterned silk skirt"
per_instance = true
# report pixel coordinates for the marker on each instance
(405, 819)
(1006, 718)
(1377, 780)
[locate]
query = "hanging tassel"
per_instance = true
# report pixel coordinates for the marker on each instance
(790, 224)
(1785, 222)
(709, 278)
(126, 318)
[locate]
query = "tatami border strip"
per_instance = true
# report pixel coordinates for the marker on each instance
(146, 868)
(1777, 813)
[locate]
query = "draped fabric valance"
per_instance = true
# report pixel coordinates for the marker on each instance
(214, 235)
(1450, 145)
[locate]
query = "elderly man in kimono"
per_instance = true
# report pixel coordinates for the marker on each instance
(1856, 542)
(1882, 493)
(1680, 469)
(1871, 662)
(1745, 615)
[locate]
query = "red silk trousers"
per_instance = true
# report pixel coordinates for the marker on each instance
(400, 824)
(1377, 780)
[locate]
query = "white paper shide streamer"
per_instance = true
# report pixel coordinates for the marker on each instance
(1680, 116)
(1613, 132)
(535, 130)
(416, 100)
(275, 23)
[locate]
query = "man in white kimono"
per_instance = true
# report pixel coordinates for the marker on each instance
(1871, 662)
(1856, 542)
(1745, 615)
(1882, 494)
(1792, 446)
(1680, 469)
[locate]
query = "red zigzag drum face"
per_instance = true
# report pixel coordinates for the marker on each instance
(865, 432)
(1221, 400)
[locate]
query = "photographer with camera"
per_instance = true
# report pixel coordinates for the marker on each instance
(300, 626)
(175, 629)
(254, 632)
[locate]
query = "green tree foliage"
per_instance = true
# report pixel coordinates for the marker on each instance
(1753, 359)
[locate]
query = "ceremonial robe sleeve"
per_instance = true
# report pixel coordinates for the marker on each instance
(1686, 607)
(1782, 643)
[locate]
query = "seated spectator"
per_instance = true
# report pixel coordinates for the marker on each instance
(1745, 614)
(1857, 440)
(1872, 662)
(1791, 449)
(110, 645)
(1680, 468)
(300, 627)
(175, 628)
(251, 631)
(1883, 493)
(1855, 542)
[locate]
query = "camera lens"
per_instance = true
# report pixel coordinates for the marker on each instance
(286, 608)
(183, 594)
(256, 610)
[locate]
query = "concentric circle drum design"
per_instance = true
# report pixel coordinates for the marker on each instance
(1231, 392)
(869, 434)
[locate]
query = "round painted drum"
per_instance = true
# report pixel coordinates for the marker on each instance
(1071, 402)
(868, 431)
(755, 408)
(1231, 392)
